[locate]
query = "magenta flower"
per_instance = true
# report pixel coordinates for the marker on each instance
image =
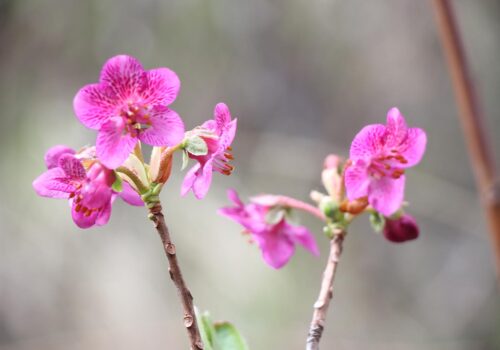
(218, 135)
(379, 156)
(85, 182)
(402, 229)
(276, 240)
(129, 104)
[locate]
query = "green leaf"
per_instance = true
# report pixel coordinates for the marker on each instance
(185, 160)
(377, 221)
(117, 186)
(228, 337)
(207, 330)
(196, 146)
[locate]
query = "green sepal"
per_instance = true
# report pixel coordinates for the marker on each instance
(185, 160)
(377, 221)
(196, 146)
(117, 186)
(275, 215)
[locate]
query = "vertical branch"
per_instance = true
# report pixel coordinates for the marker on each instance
(471, 120)
(325, 293)
(190, 323)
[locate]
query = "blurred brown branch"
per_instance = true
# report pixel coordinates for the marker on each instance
(471, 119)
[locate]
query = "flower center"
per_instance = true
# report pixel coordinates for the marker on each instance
(136, 117)
(221, 162)
(77, 197)
(387, 165)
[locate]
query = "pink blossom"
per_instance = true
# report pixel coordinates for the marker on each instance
(276, 240)
(379, 156)
(85, 182)
(129, 104)
(402, 229)
(218, 134)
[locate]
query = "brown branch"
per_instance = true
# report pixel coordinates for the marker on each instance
(471, 120)
(190, 323)
(325, 293)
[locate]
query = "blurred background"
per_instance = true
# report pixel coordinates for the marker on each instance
(302, 77)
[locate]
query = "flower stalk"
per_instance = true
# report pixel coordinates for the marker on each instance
(326, 292)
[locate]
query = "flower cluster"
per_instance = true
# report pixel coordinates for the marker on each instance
(372, 180)
(129, 106)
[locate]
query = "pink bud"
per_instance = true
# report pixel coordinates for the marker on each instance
(400, 230)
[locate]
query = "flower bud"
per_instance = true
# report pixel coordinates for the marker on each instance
(161, 164)
(330, 176)
(400, 230)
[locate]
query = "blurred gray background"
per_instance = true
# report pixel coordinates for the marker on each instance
(302, 77)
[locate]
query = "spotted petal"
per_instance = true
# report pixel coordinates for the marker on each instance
(166, 129)
(368, 142)
(53, 183)
(113, 146)
(386, 194)
(94, 104)
(161, 87)
(124, 75)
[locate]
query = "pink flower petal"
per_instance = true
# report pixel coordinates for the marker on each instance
(368, 142)
(302, 236)
(203, 180)
(72, 167)
(413, 148)
(113, 146)
(94, 104)
(54, 153)
(386, 194)
(124, 75)
(130, 196)
(95, 194)
(277, 249)
(357, 179)
(161, 87)
(53, 184)
(222, 115)
(396, 128)
(167, 128)
(189, 179)
(104, 214)
(81, 220)
(233, 197)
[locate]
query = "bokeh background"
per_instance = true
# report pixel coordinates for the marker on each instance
(302, 77)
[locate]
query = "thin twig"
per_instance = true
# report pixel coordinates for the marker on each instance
(325, 293)
(471, 120)
(190, 323)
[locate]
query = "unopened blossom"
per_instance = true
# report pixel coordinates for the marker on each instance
(277, 239)
(402, 229)
(85, 182)
(379, 156)
(129, 104)
(218, 134)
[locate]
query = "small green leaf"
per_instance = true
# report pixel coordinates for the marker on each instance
(377, 221)
(117, 186)
(196, 146)
(228, 337)
(207, 330)
(185, 160)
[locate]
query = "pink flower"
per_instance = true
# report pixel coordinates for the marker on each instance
(129, 104)
(85, 182)
(276, 240)
(218, 135)
(379, 156)
(402, 229)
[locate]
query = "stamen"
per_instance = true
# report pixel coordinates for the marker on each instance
(78, 208)
(228, 155)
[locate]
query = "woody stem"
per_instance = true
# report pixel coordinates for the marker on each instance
(326, 292)
(174, 270)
